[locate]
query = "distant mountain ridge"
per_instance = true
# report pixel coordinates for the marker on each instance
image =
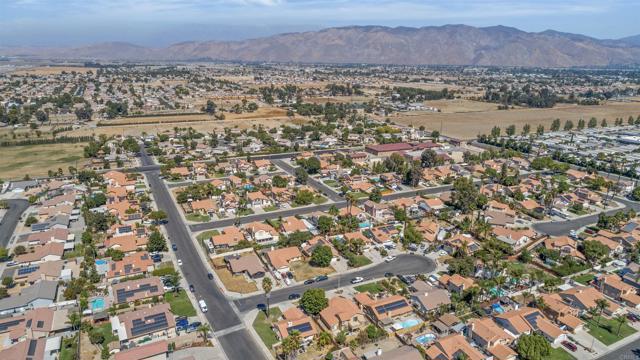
(430, 45)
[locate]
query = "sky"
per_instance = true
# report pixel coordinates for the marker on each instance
(52, 23)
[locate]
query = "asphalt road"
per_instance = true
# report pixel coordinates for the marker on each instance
(237, 345)
(405, 264)
(11, 218)
(318, 185)
(557, 228)
(628, 352)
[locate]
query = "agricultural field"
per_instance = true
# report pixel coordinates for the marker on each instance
(37, 160)
(467, 125)
(52, 70)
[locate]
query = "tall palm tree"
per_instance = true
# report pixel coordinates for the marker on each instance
(601, 304)
(621, 320)
(267, 286)
(324, 339)
(525, 295)
(291, 344)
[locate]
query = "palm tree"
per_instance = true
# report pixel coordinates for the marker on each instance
(333, 211)
(601, 304)
(525, 296)
(74, 319)
(203, 329)
(324, 339)
(267, 286)
(540, 303)
(291, 344)
(621, 320)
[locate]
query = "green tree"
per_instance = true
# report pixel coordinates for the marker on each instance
(376, 195)
(465, 196)
(7, 281)
(321, 256)
(511, 130)
(156, 242)
(301, 176)
(540, 130)
(601, 305)
(158, 216)
(210, 108)
(203, 330)
(19, 250)
(533, 347)
(594, 251)
(581, 124)
(291, 344)
(568, 125)
(526, 129)
(604, 123)
(495, 132)
(435, 134)
(555, 125)
(304, 197)
(325, 223)
(593, 122)
(30, 220)
(324, 339)
(313, 301)
(621, 320)
(430, 158)
(635, 194)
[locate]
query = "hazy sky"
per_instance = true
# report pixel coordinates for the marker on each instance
(161, 22)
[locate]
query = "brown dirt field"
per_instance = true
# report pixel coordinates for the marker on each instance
(52, 70)
(461, 105)
(468, 125)
(337, 99)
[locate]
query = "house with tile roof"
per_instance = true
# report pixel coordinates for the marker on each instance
(342, 314)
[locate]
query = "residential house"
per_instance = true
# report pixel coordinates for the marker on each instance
(492, 338)
(584, 298)
(41, 294)
(295, 319)
(248, 264)
(261, 233)
(291, 224)
(280, 258)
(129, 292)
(427, 298)
(342, 314)
(527, 320)
(382, 311)
(228, 238)
(155, 322)
(132, 264)
(453, 347)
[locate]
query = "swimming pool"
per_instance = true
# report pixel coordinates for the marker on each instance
(97, 304)
(423, 339)
(406, 324)
(364, 225)
(101, 262)
(497, 308)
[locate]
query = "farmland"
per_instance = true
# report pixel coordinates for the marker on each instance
(37, 160)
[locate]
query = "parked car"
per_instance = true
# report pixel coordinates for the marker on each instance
(357, 280)
(633, 317)
(294, 296)
(261, 307)
(174, 247)
(309, 282)
(388, 274)
(192, 288)
(193, 326)
(322, 278)
(210, 276)
(289, 275)
(570, 346)
(203, 306)
(390, 258)
(179, 262)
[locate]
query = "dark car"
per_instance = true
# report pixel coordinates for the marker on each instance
(192, 288)
(261, 307)
(309, 282)
(322, 278)
(633, 317)
(569, 346)
(174, 247)
(210, 276)
(294, 296)
(289, 274)
(388, 274)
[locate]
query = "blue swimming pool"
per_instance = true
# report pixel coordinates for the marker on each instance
(406, 324)
(364, 225)
(97, 304)
(423, 339)
(497, 308)
(101, 262)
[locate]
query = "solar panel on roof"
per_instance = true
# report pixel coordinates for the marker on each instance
(391, 306)
(40, 324)
(149, 324)
(8, 324)
(27, 270)
(32, 347)
(532, 318)
(302, 328)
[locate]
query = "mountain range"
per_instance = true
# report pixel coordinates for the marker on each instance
(431, 45)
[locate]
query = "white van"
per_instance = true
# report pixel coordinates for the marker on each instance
(203, 306)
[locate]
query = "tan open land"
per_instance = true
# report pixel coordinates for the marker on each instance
(52, 70)
(461, 105)
(467, 125)
(37, 160)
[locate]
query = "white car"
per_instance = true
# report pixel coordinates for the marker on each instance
(357, 280)
(389, 258)
(179, 262)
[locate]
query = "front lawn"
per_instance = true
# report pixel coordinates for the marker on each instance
(356, 261)
(359, 195)
(607, 331)
(245, 212)
(584, 279)
(207, 235)
(262, 326)
(302, 270)
(332, 183)
(558, 354)
(372, 288)
(270, 208)
(180, 303)
(198, 218)
(234, 283)
(319, 200)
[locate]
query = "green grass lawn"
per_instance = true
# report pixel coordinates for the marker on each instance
(584, 278)
(332, 183)
(262, 326)
(607, 332)
(372, 288)
(358, 261)
(359, 195)
(207, 234)
(105, 330)
(558, 354)
(245, 212)
(319, 200)
(270, 208)
(198, 218)
(69, 348)
(180, 303)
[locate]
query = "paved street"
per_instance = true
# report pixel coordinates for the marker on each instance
(11, 218)
(627, 352)
(318, 185)
(405, 264)
(557, 228)
(239, 344)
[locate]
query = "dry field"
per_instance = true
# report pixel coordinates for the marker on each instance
(467, 125)
(37, 160)
(461, 105)
(52, 70)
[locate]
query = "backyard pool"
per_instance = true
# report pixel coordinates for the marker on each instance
(423, 339)
(97, 304)
(364, 225)
(497, 308)
(406, 324)
(101, 262)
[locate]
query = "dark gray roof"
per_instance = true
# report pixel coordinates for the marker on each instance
(41, 290)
